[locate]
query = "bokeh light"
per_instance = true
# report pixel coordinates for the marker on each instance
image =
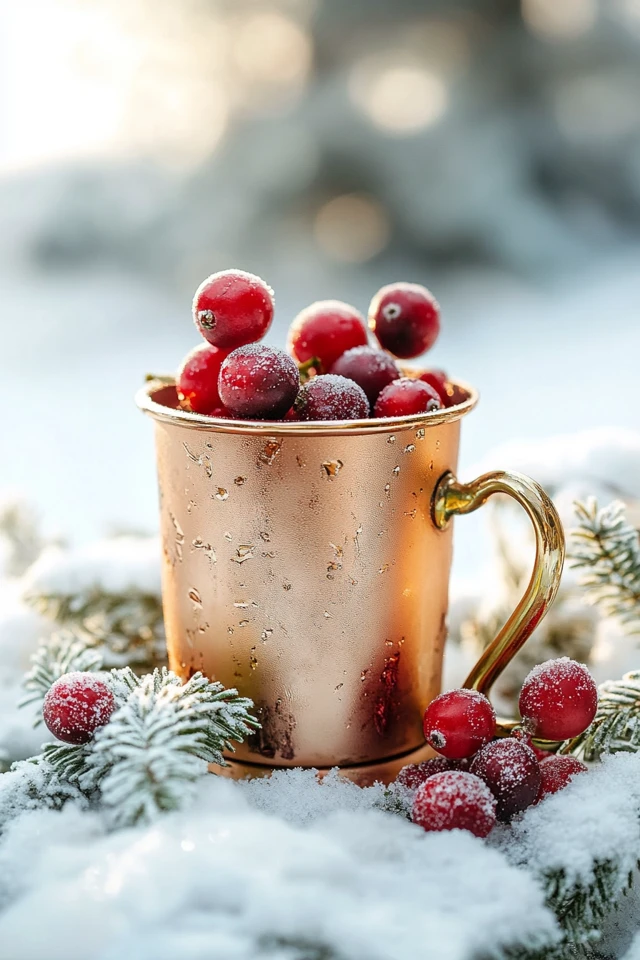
(399, 98)
(272, 53)
(559, 19)
(352, 228)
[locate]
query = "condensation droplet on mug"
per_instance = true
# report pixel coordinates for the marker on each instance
(384, 568)
(241, 605)
(194, 595)
(410, 447)
(179, 536)
(191, 455)
(396, 471)
(437, 444)
(199, 544)
(268, 554)
(387, 487)
(327, 615)
(222, 494)
(270, 451)
(391, 439)
(239, 481)
(243, 623)
(354, 583)
(286, 585)
(388, 643)
(411, 513)
(266, 633)
(243, 553)
(420, 434)
(363, 675)
(253, 660)
(230, 631)
(332, 468)
(339, 687)
(300, 461)
(265, 536)
(190, 505)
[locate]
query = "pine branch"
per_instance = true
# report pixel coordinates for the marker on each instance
(616, 725)
(63, 652)
(580, 908)
(607, 548)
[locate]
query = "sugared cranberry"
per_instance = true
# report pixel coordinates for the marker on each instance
(76, 705)
(556, 772)
(232, 308)
(404, 397)
(558, 699)
(438, 380)
(370, 368)
(455, 800)
(455, 394)
(512, 773)
(415, 774)
(197, 378)
(458, 723)
(329, 397)
(258, 381)
(405, 318)
(324, 331)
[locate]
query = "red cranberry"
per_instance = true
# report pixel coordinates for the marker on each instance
(558, 699)
(370, 368)
(405, 318)
(233, 308)
(324, 331)
(415, 774)
(197, 378)
(438, 380)
(76, 705)
(329, 397)
(511, 772)
(455, 395)
(458, 723)
(556, 772)
(221, 413)
(404, 397)
(455, 800)
(258, 381)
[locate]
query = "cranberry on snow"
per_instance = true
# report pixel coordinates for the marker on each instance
(458, 723)
(557, 772)
(512, 773)
(454, 800)
(232, 308)
(558, 700)
(76, 705)
(415, 774)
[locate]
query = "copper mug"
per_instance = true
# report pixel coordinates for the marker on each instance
(307, 565)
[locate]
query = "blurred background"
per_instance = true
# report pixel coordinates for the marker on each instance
(489, 149)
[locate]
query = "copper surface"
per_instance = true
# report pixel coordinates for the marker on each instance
(302, 565)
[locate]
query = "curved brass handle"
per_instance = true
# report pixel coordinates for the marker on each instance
(451, 497)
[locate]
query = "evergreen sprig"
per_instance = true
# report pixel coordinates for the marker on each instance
(607, 548)
(156, 745)
(616, 725)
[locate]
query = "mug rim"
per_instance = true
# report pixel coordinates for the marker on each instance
(146, 400)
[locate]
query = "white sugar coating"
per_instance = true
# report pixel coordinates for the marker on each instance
(445, 794)
(515, 759)
(226, 879)
(377, 359)
(117, 565)
(332, 397)
(252, 279)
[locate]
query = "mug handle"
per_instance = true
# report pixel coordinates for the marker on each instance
(451, 497)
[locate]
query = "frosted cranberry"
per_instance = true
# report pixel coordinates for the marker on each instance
(258, 381)
(438, 380)
(556, 772)
(370, 368)
(221, 413)
(458, 723)
(455, 800)
(558, 699)
(511, 772)
(233, 308)
(76, 705)
(329, 397)
(404, 397)
(455, 395)
(197, 378)
(415, 774)
(324, 331)
(405, 318)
